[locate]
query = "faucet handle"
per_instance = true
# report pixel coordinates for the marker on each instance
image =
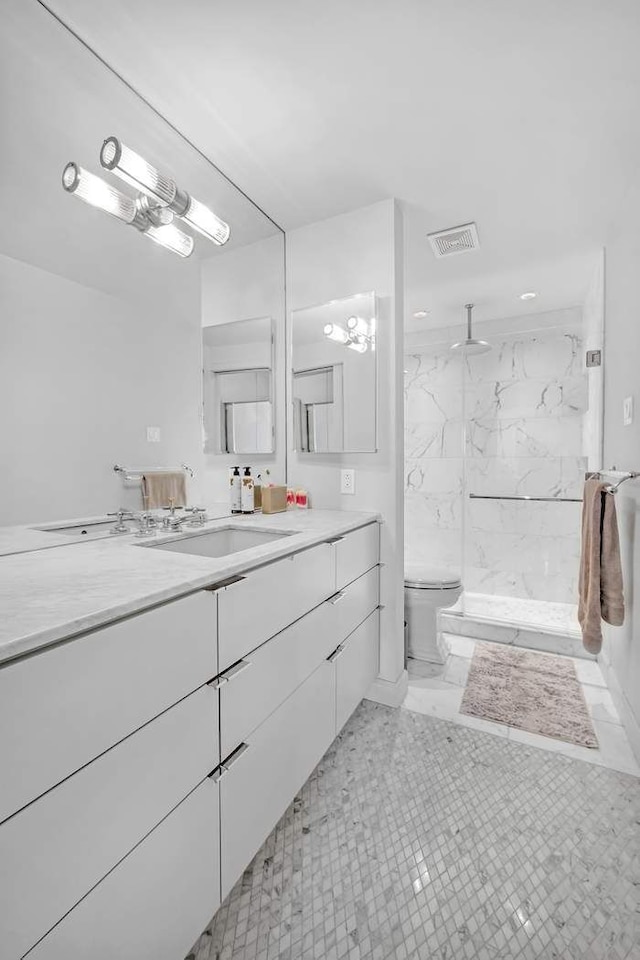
(121, 513)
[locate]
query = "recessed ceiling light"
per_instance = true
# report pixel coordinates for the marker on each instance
(420, 314)
(530, 295)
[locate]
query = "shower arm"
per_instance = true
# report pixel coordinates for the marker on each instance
(468, 307)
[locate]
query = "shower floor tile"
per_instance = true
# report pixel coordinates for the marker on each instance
(440, 695)
(417, 838)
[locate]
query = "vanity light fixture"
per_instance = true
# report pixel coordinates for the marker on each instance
(151, 222)
(134, 169)
(360, 345)
(158, 202)
(99, 194)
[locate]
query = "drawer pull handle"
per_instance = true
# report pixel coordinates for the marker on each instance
(234, 670)
(336, 653)
(337, 597)
(217, 682)
(335, 540)
(215, 774)
(233, 757)
(223, 584)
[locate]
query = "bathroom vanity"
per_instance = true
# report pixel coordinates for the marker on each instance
(159, 710)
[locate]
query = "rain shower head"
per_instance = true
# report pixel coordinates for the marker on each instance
(471, 345)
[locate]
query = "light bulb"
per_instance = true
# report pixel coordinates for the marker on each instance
(98, 193)
(204, 220)
(335, 332)
(172, 238)
(133, 168)
(358, 326)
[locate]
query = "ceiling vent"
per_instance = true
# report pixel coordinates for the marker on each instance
(454, 240)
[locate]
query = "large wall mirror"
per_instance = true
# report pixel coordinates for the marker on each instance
(238, 387)
(101, 347)
(334, 376)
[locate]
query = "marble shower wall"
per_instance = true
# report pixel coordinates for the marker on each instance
(509, 422)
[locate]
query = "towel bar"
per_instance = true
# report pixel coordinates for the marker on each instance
(135, 476)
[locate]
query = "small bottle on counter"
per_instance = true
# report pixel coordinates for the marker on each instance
(291, 497)
(235, 486)
(302, 499)
(247, 498)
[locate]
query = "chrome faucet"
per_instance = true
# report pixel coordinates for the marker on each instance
(146, 525)
(198, 516)
(122, 514)
(169, 521)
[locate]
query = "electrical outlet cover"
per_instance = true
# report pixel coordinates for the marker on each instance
(153, 434)
(627, 411)
(347, 481)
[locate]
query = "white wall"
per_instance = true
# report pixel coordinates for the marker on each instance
(245, 284)
(622, 449)
(82, 374)
(355, 253)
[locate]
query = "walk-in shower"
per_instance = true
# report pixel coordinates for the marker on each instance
(496, 449)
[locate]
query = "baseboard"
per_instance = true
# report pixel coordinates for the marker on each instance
(629, 720)
(390, 693)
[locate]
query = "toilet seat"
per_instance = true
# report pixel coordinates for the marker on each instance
(421, 577)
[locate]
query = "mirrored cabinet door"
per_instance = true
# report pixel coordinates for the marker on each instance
(238, 395)
(334, 376)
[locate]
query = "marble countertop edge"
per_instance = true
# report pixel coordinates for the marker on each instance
(77, 588)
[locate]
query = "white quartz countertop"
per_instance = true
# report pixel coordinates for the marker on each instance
(47, 595)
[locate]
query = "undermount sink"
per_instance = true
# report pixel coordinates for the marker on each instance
(92, 530)
(220, 542)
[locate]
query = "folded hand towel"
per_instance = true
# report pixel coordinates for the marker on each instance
(600, 583)
(161, 488)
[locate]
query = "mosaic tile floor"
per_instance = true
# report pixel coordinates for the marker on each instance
(416, 838)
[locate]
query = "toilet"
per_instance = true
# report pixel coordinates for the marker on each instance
(426, 591)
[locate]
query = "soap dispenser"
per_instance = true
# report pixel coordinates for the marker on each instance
(247, 498)
(235, 483)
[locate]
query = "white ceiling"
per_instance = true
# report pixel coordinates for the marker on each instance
(519, 115)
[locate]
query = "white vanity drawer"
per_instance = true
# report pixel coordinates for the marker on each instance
(255, 686)
(252, 689)
(64, 706)
(265, 601)
(356, 664)
(356, 552)
(355, 602)
(263, 777)
(57, 848)
(157, 900)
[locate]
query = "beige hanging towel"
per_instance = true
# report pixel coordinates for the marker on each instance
(163, 488)
(600, 583)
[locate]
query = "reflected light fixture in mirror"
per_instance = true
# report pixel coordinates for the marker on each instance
(135, 170)
(333, 331)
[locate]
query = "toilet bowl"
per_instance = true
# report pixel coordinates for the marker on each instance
(426, 591)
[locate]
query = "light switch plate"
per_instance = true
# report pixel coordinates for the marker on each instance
(347, 481)
(153, 434)
(627, 411)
